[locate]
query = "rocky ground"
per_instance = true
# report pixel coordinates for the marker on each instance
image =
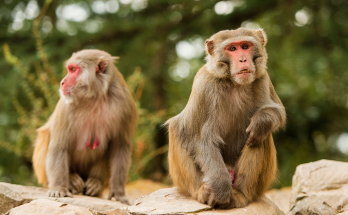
(318, 188)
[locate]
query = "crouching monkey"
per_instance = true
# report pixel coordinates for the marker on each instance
(221, 150)
(86, 143)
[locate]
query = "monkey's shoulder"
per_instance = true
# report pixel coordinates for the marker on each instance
(204, 81)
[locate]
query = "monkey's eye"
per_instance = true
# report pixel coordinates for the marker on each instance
(232, 48)
(72, 69)
(245, 46)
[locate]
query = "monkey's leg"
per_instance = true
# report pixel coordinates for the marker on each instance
(76, 183)
(95, 181)
(257, 169)
(182, 169)
(119, 162)
(57, 169)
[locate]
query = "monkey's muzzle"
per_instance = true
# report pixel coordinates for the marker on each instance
(244, 71)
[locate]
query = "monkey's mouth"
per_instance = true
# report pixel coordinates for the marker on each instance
(244, 71)
(64, 92)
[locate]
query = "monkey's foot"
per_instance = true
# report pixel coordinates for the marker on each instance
(76, 183)
(239, 199)
(207, 195)
(58, 192)
(121, 198)
(93, 186)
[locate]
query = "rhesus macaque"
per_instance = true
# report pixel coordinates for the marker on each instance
(86, 143)
(221, 150)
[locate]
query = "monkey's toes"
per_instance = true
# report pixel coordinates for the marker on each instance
(76, 183)
(58, 192)
(93, 187)
(122, 199)
(119, 196)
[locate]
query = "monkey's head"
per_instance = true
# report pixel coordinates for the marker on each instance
(237, 54)
(89, 75)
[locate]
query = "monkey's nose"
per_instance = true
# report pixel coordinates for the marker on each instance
(62, 83)
(242, 60)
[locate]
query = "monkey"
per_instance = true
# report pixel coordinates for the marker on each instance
(221, 150)
(85, 145)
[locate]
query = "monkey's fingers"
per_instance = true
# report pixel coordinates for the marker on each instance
(251, 140)
(212, 199)
(93, 187)
(224, 206)
(50, 193)
(76, 183)
(73, 191)
(248, 130)
(110, 196)
(91, 191)
(203, 194)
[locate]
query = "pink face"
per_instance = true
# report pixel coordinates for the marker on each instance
(240, 53)
(69, 80)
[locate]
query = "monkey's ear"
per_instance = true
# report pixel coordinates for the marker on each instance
(262, 35)
(209, 47)
(101, 66)
(115, 58)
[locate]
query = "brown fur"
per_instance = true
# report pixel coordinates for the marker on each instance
(223, 115)
(101, 107)
(39, 155)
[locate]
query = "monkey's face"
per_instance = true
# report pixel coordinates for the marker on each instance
(88, 76)
(69, 81)
(239, 55)
(241, 61)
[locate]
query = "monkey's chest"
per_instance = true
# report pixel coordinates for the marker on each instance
(92, 136)
(235, 135)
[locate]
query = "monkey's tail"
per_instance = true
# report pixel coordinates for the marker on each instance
(40, 152)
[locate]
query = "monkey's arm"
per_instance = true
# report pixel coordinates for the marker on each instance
(217, 183)
(267, 119)
(57, 169)
(194, 131)
(57, 158)
(120, 151)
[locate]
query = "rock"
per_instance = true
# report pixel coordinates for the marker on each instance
(320, 187)
(138, 188)
(44, 207)
(14, 195)
(280, 197)
(169, 201)
(142, 187)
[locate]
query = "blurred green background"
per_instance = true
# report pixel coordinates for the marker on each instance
(161, 47)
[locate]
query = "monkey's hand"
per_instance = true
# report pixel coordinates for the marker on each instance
(93, 186)
(58, 192)
(76, 183)
(121, 198)
(258, 130)
(216, 193)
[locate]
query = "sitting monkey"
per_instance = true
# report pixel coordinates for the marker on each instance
(86, 143)
(221, 150)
